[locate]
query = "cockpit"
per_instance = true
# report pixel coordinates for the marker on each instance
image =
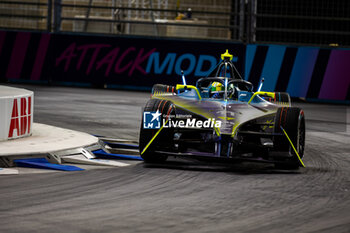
(224, 82)
(222, 88)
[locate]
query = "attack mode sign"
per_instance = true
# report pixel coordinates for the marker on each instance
(135, 62)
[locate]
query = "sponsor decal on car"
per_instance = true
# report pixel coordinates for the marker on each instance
(192, 123)
(152, 120)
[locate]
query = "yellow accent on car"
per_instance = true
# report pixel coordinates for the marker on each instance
(217, 131)
(296, 152)
(180, 86)
(270, 94)
(268, 122)
(149, 143)
(226, 54)
(226, 118)
(234, 129)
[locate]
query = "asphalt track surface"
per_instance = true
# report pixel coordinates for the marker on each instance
(180, 196)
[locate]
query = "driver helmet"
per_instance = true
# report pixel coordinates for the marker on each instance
(215, 88)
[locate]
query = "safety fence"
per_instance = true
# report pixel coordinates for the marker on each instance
(28, 14)
(140, 62)
(307, 22)
(323, 23)
(135, 17)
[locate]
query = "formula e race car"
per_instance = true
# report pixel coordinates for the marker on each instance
(222, 119)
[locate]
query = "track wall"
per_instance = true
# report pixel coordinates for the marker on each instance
(140, 62)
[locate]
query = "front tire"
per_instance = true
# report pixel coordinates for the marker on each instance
(146, 135)
(292, 120)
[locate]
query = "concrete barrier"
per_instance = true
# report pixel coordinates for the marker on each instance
(16, 112)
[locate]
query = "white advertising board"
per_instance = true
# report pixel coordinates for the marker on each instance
(16, 112)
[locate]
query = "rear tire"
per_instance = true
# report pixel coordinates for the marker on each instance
(146, 135)
(292, 120)
(162, 89)
(281, 98)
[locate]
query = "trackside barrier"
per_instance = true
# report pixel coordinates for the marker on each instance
(138, 63)
(16, 113)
